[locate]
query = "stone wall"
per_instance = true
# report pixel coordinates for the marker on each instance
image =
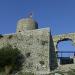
(34, 45)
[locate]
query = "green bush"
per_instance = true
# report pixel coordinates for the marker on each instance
(11, 59)
(1, 36)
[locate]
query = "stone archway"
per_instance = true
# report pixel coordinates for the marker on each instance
(65, 39)
(61, 58)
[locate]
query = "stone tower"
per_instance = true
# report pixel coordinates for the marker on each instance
(37, 45)
(26, 24)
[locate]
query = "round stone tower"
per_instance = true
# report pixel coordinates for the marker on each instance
(26, 24)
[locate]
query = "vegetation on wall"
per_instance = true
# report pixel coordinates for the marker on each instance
(10, 36)
(11, 60)
(1, 36)
(44, 42)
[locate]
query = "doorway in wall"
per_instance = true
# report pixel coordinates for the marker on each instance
(66, 51)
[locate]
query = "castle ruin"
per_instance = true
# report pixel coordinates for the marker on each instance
(37, 45)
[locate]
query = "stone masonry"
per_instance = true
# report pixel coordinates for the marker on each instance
(34, 45)
(38, 46)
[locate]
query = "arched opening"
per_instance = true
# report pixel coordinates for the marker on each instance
(66, 51)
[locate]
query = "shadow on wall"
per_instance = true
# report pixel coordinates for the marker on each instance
(53, 57)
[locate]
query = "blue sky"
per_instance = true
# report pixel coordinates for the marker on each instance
(59, 15)
(66, 46)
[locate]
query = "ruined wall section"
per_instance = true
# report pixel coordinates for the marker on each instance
(34, 45)
(8, 39)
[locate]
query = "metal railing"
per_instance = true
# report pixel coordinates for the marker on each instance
(62, 53)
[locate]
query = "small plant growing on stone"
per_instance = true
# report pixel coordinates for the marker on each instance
(44, 42)
(10, 36)
(11, 59)
(1, 36)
